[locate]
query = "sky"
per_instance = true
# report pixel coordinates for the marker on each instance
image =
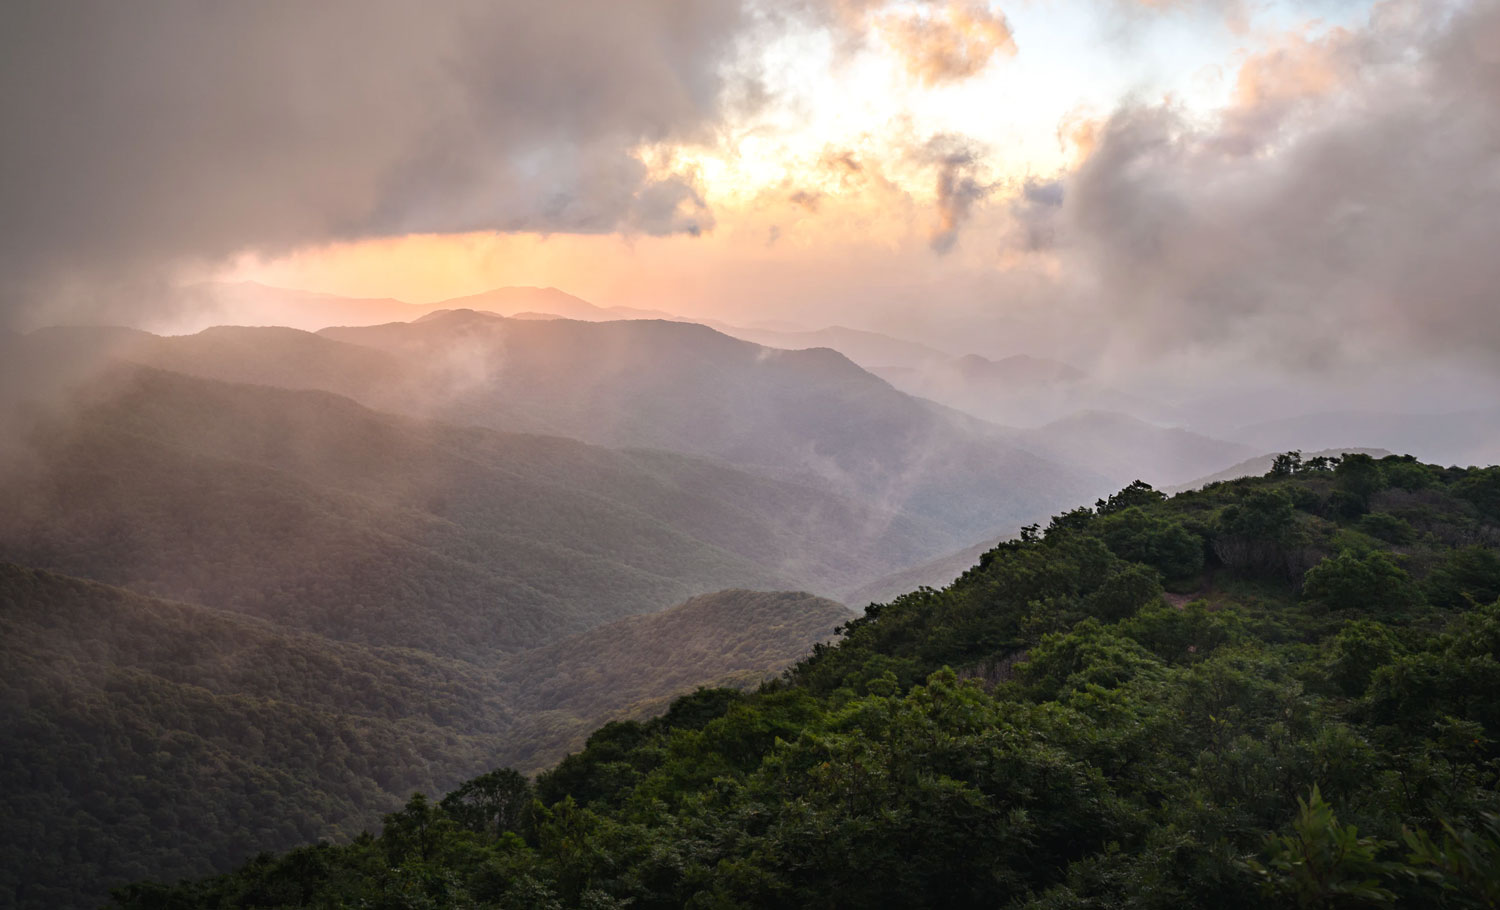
(1142, 187)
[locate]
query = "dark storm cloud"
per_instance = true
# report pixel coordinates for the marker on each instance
(1347, 206)
(140, 133)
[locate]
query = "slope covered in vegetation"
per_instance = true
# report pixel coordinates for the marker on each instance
(1280, 691)
(307, 509)
(148, 738)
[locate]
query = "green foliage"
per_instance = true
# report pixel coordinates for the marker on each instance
(1350, 581)
(1464, 864)
(1138, 493)
(1124, 592)
(141, 737)
(1387, 527)
(491, 804)
(1322, 863)
(1265, 515)
(1481, 488)
(1360, 648)
(1406, 473)
(1466, 575)
(1161, 543)
(1358, 475)
(1286, 464)
(1050, 731)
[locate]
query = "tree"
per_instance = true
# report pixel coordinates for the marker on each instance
(1073, 520)
(1482, 488)
(492, 803)
(1161, 543)
(1138, 493)
(1287, 464)
(1359, 475)
(1264, 515)
(1258, 532)
(1125, 592)
(1351, 581)
(1468, 574)
(1465, 864)
(1323, 864)
(1361, 648)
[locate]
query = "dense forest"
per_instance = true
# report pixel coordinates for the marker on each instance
(1276, 691)
(147, 738)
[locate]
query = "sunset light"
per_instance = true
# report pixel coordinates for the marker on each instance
(749, 454)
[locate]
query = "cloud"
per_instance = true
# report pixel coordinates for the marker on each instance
(948, 42)
(1035, 210)
(957, 162)
(1345, 207)
(143, 133)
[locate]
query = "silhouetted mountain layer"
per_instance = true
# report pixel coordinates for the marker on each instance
(1124, 449)
(872, 350)
(810, 414)
(253, 304)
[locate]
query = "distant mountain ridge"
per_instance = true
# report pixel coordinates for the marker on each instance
(1020, 390)
(809, 414)
(1460, 438)
(252, 303)
(1124, 448)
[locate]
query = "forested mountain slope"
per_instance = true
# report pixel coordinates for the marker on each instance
(631, 667)
(142, 737)
(308, 509)
(1310, 720)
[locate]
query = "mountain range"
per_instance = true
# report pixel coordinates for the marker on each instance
(265, 573)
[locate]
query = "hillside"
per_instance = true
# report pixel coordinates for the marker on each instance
(629, 667)
(305, 508)
(142, 737)
(811, 415)
(1255, 467)
(1309, 721)
(936, 573)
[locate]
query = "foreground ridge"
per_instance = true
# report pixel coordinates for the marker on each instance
(1277, 691)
